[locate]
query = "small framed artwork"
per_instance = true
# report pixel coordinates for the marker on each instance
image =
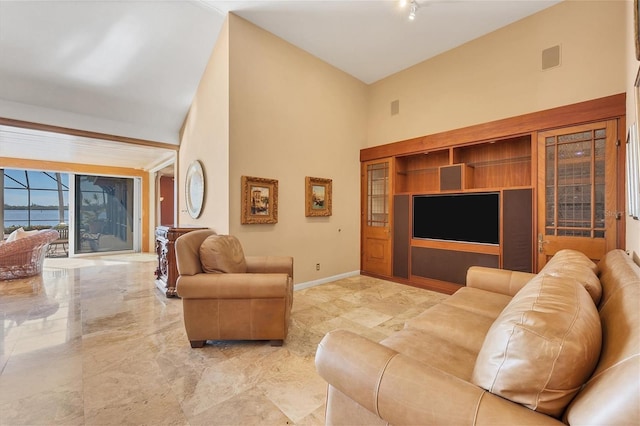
(317, 196)
(259, 200)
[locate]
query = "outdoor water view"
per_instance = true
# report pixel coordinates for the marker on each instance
(103, 214)
(37, 216)
(35, 200)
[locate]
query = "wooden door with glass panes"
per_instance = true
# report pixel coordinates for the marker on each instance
(376, 217)
(577, 189)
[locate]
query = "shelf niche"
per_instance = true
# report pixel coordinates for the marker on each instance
(420, 172)
(504, 163)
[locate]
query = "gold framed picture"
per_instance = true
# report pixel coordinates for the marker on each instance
(259, 200)
(318, 196)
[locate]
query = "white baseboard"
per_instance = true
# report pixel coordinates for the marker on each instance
(301, 286)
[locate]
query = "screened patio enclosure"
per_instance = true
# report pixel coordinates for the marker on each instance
(99, 213)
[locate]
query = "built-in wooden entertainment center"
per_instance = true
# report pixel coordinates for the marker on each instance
(508, 158)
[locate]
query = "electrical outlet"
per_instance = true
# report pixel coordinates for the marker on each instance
(317, 266)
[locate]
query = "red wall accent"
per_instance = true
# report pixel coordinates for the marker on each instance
(166, 205)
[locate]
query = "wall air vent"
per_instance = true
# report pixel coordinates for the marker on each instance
(395, 107)
(551, 57)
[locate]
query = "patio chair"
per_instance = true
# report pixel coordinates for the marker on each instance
(62, 241)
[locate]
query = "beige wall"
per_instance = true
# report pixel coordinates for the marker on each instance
(499, 75)
(633, 226)
(205, 137)
(267, 109)
(292, 116)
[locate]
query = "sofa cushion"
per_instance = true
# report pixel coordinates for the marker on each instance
(481, 302)
(574, 264)
(437, 351)
(460, 326)
(222, 254)
(543, 346)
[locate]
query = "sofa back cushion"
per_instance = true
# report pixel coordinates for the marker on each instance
(542, 347)
(574, 264)
(222, 254)
(612, 394)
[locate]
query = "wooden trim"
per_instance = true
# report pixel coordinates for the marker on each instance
(622, 194)
(418, 282)
(464, 191)
(434, 285)
(85, 133)
(456, 246)
(57, 166)
(584, 112)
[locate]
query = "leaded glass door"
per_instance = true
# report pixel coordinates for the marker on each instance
(376, 221)
(577, 190)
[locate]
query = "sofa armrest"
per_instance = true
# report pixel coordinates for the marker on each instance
(187, 249)
(401, 390)
(497, 280)
(233, 286)
(270, 265)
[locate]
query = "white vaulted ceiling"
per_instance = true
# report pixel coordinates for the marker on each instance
(131, 68)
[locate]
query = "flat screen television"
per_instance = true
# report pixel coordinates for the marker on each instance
(471, 217)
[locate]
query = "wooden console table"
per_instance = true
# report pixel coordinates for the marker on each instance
(167, 270)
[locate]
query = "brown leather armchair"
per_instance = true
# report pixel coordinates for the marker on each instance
(255, 305)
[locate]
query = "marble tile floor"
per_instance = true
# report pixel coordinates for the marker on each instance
(94, 342)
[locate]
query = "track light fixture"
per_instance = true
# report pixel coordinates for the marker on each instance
(413, 8)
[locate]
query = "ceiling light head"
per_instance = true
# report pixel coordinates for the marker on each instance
(403, 3)
(413, 10)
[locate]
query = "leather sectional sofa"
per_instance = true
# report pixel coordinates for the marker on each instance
(562, 346)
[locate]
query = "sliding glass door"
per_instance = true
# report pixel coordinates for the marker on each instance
(106, 214)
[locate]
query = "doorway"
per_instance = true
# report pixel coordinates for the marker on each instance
(106, 214)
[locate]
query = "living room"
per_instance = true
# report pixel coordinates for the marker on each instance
(261, 85)
(268, 109)
(333, 116)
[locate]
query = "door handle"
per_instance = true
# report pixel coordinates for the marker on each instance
(541, 243)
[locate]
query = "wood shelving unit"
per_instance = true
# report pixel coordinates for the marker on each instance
(500, 156)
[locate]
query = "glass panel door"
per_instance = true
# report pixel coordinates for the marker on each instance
(378, 194)
(577, 204)
(575, 184)
(376, 224)
(105, 214)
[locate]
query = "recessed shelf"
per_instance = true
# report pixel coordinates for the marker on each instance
(491, 163)
(414, 171)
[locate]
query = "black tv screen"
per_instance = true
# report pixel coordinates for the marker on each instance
(471, 217)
